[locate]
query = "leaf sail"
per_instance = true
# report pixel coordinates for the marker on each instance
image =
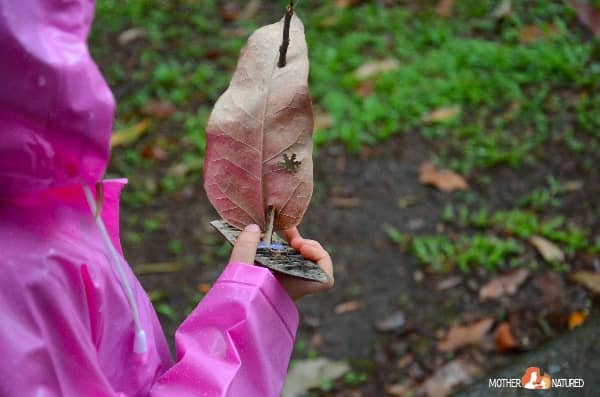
(259, 134)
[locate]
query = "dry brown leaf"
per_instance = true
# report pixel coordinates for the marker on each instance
(450, 376)
(230, 11)
(154, 151)
(346, 3)
(365, 88)
(345, 202)
(129, 134)
(464, 335)
(443, 179)
(588, 15)
(204, 287)
(373, 68)
(448, 283)
(549, 251)
(504, 338)
(444, 8)
(502, 285)
(441, 114)
(392, 322)
(503, 10)
(259, 135)
(323, 121)
(251, 9)
(130, 35)
(158, 109)
(589, 280)
(158, 268)
(532, 33)
(348, 306)
(404, 389)
(576, 319)
(573, 186)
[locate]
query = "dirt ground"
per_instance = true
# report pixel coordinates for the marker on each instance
(355, 196)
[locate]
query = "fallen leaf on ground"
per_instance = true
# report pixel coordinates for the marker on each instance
(589, 280)
(404, 389)
(549, 251)
(532, 33)
(404, 361)
(153, 151)
(130, 35)
(444, 8)
(348, 306)
(464, 335)
(158, 109)
(178, 170)
(323, 120)
(448, 283)
(392, 322)
(450, 376)
(504, 284)
(306, 374)
(588, 14)
(315, 341)
(157, 268)
(443, 179)
(573, 186)
(441, 114)
(576, 319)
(230, 11)
(345, 3)
(504, 338)
(204, 287)
(365, 88)
(251, 9)
(503, 10)
(373, 68)
(129, 134)
(345, 202)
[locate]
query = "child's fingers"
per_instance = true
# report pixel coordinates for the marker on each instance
(322, 258)
(245, 247)
(313, 253)
(292, 234)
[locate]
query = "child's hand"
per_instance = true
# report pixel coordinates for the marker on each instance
(311, 250)
(244, 251)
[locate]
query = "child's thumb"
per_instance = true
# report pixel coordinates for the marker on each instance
(245, 247)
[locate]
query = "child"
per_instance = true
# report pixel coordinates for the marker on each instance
(75, 321)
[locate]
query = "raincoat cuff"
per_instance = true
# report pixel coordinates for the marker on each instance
(262, 278)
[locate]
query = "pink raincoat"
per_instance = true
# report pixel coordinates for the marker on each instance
(72, 324)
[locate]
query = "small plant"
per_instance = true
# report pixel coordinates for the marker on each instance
(354, 378)
(443, 254)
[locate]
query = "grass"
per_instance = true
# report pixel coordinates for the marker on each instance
(491, 239)
(515, 96)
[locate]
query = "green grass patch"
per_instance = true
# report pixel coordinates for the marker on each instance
(443, 253)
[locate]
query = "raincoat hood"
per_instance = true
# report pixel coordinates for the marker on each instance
(56, 110)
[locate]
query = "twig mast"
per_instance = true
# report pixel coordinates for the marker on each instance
(286, 34)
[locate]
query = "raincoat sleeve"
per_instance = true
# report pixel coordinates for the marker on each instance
(237, 342)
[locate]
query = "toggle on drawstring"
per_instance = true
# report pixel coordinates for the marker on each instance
(140, 345)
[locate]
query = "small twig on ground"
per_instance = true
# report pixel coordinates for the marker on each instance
(269, 232)
(286, 35)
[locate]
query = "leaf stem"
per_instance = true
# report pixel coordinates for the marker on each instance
(269, 232)
(286, 34)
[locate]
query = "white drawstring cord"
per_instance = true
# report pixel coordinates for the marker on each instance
(140, 344)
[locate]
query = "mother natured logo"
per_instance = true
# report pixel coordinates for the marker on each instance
(534, 380)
